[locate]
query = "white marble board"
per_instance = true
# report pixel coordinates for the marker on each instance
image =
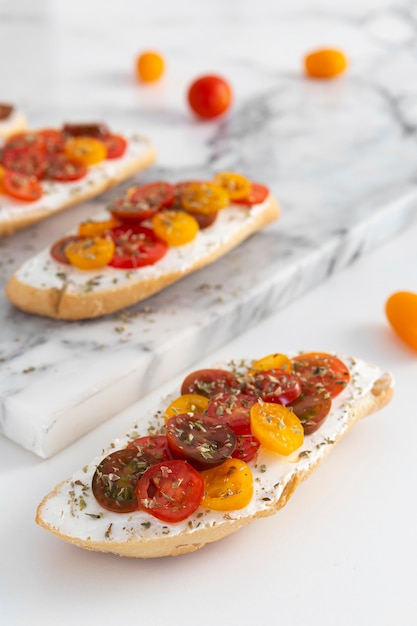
(341, 158)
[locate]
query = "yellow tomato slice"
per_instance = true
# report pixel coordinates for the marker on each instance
(236, 185)
(91, 253)
(1, 178)
(270, 362)
(96, 229)
(276, 427)
(187, 403)
(85, 150)
(175, 227)
(204, 198)
(228, 486)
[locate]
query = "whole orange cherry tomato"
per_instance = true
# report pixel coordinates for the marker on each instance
(401, 311)
(210, 96)
(150, 66)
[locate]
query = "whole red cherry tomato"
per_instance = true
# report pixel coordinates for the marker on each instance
(209, 96)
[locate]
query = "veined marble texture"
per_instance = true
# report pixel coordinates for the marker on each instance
(340, 157)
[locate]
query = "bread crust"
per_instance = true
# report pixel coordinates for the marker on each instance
(66, 304)
(377, 397)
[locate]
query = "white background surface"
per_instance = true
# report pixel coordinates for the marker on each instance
(343, 551)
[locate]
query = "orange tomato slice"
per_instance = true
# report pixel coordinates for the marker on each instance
(96, 229)
(227, 487)
(204, 198)
(90, 253)
(276, 427)
(176, 228)
(85, 150)
(187, 403)
(271, 362)
(236, 185)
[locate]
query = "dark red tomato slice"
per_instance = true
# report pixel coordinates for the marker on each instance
(115, 480)
(258, 194)
(170, 491)
(311, 409)
(274, 385)
(204, 220)
(210, 382)
(53, 140)
(246, 447)
(22, 187)
(154, 447)
(28, 161)
(61, 169)
(157, 195)
(136, 246)
(57, 250)
(125, 210)
(233, 410)
(116, 146)
(25, 139)
(199, 439)
(325, 372)
(99, 130)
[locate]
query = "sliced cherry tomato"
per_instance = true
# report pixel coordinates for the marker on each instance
(53, 140)
(257, 194)
(90, 253)
(58, 249)
(116, 146)
(22, 187)
(204, 198)
(247, 447)
(274, 385)
(210, 382)
(270, 362)
(189, 403)
(325, 372)
(24, 139)
(85, 150)
(60, 168)
(228, 487)
(199, 439)
(171, 491)
(125, 210)
(28, 161)
(175, 227)
(154, 448)
(276, 427)
(99, 130)
(136, 246)
(115, 480)
(92, 228)
(209, 96)
(236, 185)
(232, 409)
(157, 195)
(311, 409)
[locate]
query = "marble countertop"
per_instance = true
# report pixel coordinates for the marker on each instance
(341, 158)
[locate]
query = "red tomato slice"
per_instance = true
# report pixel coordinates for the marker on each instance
(233, 410)
(53, 140)
(28, 161)
(155, 195)
(274, 385)
(115, 480)
(199, 439)
(258, 194)
(136, 246)
(22, 187)
(154, 447)
(125, 210)
(61, 169)
(25, 139)
(57, 250)
(311, 409)
(326, 372)
(170, 491)
(116, 146)
(246, 447)
(210, 382)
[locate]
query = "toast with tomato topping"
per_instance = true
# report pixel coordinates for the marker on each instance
(45, 171)
(148, 239)
(227, 448)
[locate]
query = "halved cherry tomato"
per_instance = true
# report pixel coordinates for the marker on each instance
(232, 409)
(2, 170)
(175, 227)
(257, 194)
(90, 253)
(85, 150)
(311, 409)
(125, 210)
(247, 447)
(271, 361)
(228, 487)
(171, 491)
(28, 161)
(209, 96)
(99, 130)
(323, 371)
(204, 198)
(96, 229)
(116, 146)
(199, 439)
(115, 480)
(22, 187)
(60, 168)
(189, 403)
(24, 139)
(210, 382)
(274, 385)
(58, 248)
(156, 195)
(136, 246)
(276, 427)
(53, 140)
(154, 448)
(236, 185)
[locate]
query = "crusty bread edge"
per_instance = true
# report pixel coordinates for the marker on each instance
(31, 215)
(378, 397)
(15, 125)
(60, 304)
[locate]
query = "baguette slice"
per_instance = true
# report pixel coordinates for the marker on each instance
(71, 512)
(13, 123)
(16, 214)
(44, 287)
